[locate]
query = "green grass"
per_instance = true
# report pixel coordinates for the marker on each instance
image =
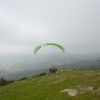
(49, 87)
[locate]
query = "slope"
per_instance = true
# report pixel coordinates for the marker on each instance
(49, 87)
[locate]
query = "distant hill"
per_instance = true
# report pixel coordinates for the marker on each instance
(25, 73)
(83, 65)
(14, 67)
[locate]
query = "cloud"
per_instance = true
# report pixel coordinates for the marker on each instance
(25, 24)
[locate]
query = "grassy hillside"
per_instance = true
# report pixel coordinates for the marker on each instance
(49, 87)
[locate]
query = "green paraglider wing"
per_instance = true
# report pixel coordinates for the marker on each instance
(46, 44)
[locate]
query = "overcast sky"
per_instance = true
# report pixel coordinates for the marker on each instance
(24, 24)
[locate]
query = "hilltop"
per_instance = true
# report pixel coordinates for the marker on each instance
(85, 85)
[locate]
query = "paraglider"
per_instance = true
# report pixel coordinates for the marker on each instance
(46, 44)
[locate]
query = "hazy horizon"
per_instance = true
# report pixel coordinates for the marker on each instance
(24, 24)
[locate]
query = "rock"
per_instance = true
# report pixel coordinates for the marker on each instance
(81, 92)
(89, 89)
(98, 90)
(71, 92)
(79, 86)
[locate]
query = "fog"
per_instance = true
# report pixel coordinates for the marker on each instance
(74, 24)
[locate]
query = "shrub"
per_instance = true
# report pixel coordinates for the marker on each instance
(53, 70)
(3, 82)
(24, 78)
(74, 69)
(42, 74)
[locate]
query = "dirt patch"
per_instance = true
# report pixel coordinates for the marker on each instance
(80, 90)
(71, 92)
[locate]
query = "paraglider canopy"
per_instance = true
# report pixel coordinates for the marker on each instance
(46, 44)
